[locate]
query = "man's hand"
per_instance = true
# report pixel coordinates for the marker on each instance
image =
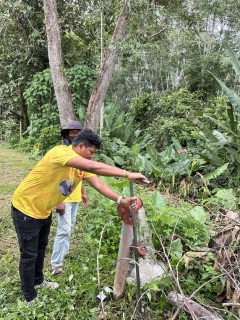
(60, 208)
(131, 201)
(135, 177)
(85, 200)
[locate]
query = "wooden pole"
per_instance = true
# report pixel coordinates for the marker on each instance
(20, 129)
(123, 261)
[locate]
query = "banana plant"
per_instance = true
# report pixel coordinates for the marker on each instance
(222, 146)
(122, 127)
(172, 167)
(232, 96)
(125, 141)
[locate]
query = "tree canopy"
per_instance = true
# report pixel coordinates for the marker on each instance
(167, 45)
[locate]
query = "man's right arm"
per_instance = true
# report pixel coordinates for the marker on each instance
(103, 169)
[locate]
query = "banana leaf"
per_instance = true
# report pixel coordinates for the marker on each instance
(222, 140)
(118, 126)
(211, 155)
(216, 173)
(232, 96)
(233, 119)
(118, 160)
(233, 58)
(222, 125)
(151, 151)
(107, 160)
(168, 154)
(109, 112)
(206, 131)
(176, 144)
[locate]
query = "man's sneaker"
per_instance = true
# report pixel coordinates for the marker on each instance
(29, 303)
(51, 285)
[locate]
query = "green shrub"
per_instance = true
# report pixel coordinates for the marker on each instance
(42, 105)
(145, 108)
(166, 116)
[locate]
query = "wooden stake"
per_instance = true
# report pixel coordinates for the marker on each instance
(123, 261)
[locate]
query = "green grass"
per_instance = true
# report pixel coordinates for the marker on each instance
(4, 190)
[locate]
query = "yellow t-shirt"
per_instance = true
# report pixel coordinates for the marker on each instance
(76, 195)
(49, 183)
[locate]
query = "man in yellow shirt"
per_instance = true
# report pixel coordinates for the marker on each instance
(53, 179)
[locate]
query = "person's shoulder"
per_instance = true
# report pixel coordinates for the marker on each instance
(61, 154)
(61, 147)
(56, 149)
(60, 150)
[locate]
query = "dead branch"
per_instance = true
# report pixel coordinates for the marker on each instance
(231, 305)
(179, 300)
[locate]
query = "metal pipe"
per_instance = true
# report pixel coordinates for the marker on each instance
(136, 250)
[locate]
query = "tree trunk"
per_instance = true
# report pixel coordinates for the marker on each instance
(99, 92)
(60, 83)
(199, 311)
(24, 107)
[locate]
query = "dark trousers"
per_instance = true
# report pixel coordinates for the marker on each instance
(33, 239)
